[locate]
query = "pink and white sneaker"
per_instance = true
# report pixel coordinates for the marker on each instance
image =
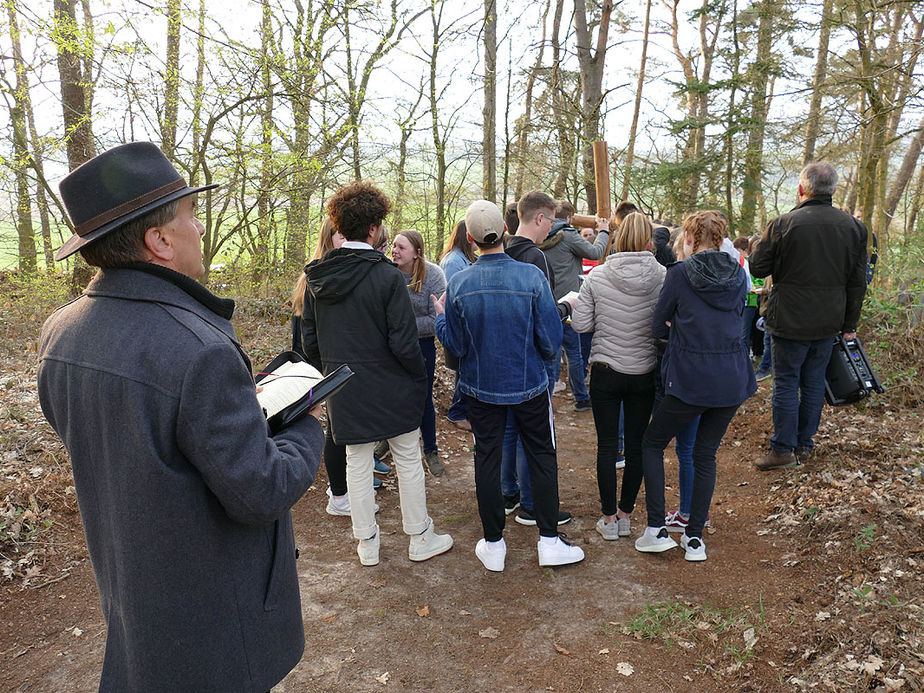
(675, 522)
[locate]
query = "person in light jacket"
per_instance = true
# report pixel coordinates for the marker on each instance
(617, 303)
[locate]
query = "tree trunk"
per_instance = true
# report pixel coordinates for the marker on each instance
(526, 120)
(438, 142)
(821, 72)
(76, 100)
(903, 175)
(261, 262)
(171, 80)
(630, 150)
(77, 119)
(20, 163)
(757, 125)
(561, 109)
(917, 198)
(592, 63)
(489, 129)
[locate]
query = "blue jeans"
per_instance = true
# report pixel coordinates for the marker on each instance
(586, 340)
(747, 321)
(571, 343)
(428, 422)
(798, 390)
(766, 363)
(683, 445)
(458, 410)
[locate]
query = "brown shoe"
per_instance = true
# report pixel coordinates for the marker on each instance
(776, 460)
(462, 424)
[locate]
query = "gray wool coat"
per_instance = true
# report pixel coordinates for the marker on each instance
(183, 494)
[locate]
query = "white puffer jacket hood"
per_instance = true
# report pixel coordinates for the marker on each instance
(617, 304)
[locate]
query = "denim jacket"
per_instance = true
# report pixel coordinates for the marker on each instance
(502, 323)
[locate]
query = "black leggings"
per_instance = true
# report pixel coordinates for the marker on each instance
(669, 419)
(335, 463)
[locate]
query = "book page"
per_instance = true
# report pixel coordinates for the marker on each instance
(287, 384)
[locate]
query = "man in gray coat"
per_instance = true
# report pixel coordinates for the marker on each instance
(565, 249)
(183, 493)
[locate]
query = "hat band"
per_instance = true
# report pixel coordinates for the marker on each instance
(128, 207)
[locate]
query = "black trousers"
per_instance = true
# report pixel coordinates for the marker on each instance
(534, 422)
(335, 463)
(671, 417)
(611, 391)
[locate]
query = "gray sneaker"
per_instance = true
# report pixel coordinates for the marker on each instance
(434, 463)
(381, 450)
(608, 530)
(625, 526)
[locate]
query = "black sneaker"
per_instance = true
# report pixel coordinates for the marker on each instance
(583, 405)
(511, 503)
(526, 517)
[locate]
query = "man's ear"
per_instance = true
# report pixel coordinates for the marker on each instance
(158, 244)
(799, 192)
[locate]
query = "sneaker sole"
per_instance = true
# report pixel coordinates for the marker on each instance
(656, 548)
(694, 558)
(552, 564)
(532, 523)
(606, 537)
(776, 466)
(511, 511)
(426, 557)
(337, 513)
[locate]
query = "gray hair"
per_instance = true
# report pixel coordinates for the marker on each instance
(818, 178)
(126, 243)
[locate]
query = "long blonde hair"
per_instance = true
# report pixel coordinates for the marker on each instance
(633, 234)
(325, 239)
(298, 294)
(419, 272)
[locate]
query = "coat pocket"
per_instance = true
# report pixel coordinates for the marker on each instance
(282, 574)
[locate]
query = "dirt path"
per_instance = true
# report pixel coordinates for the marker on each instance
(449, 625)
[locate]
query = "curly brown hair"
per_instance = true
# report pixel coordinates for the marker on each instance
(356, 207)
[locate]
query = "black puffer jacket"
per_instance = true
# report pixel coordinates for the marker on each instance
(817, 256)
(357, 312)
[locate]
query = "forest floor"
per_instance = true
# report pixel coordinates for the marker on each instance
(814, 579)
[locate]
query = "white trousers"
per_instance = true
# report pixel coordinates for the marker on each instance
(405, 453)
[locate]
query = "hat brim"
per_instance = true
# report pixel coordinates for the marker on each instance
(76, 242)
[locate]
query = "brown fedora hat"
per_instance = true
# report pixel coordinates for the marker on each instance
(115, 187)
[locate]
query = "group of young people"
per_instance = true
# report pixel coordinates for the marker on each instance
(661, 331)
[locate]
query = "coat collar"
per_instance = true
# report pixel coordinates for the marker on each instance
(151, 283)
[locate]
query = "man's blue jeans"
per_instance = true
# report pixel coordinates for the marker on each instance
(798, 390)
(571, 343)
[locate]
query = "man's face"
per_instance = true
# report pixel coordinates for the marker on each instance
(186, 231)
(588, 234)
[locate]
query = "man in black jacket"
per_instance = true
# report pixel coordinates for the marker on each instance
(817, 256)
(357, 311)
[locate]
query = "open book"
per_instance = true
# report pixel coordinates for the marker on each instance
(291, 386)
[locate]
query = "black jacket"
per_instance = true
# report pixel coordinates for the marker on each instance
(357, 311)
(817, 256)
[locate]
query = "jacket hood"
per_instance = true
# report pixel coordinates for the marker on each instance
(333, 277)
(631, 273)
(556, 234)
(716, 277)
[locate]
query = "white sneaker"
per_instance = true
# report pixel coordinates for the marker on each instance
(340, 505)
(694, 547)
(558, 387)
(621, 463)
(559, 553)
(607, 530)
(492, 554)
(368, 549)
(654, 540)
(428, 544)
